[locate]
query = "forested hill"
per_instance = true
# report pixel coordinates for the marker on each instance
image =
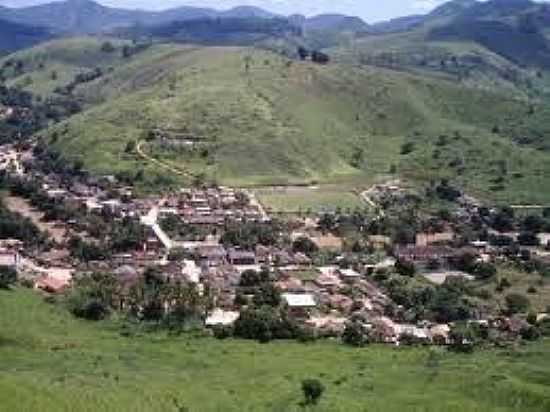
(14, 36)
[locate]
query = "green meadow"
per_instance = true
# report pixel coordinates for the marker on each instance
(53, 362)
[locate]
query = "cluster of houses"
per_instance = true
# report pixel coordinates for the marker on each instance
(322, 297)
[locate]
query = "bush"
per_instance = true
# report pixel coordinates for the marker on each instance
(222, 331)
(517, 303)
(91, 310)
(405, 268)
(8, 276)
(354, 335)
(530, 333)
(463, 338)
(313, 390)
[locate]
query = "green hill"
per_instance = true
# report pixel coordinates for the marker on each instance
(53, 362)
(258, 118)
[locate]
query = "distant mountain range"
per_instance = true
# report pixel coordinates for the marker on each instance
(515, 29)
(87, 16)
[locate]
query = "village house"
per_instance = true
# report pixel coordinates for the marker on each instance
(299, 304)
(379, 242)
(426, 239)
(241, 257)
(349, 275)
(220, 317)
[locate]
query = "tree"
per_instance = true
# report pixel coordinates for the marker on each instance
(319, 57)
(463, 338)
(517, 303)
(107, 47)
(305, 245)
(483, 270)
(528, 239)
(405, 268)
(303, 53)
(126, 51)
(8, 276)
(313, 390)
(267, 295)
(130, 147)
(250, 278)
(355, 335)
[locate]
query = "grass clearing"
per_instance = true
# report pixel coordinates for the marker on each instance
(308, 199)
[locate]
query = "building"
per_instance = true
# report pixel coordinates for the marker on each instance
(299, 304)
(220, 317)
(241, 257)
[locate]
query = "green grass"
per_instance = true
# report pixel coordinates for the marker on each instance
(304, 199)
(52, 362)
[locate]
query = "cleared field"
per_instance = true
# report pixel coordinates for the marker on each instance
(52, 362)
(307, 199)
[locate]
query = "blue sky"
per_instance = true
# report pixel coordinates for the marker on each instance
(370, 10)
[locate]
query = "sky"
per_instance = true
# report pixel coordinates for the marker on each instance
(369, 10)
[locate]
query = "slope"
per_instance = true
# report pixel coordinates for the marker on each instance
(249, 117)
(53, 362)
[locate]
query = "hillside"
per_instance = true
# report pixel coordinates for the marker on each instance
(258, 118)
(54, 362)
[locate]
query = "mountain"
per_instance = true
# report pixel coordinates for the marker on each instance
(514, 29)
(398, 24)
(452, 8)
(87, 16)
(335, 22)
(243, 12)
(14, 36)
(216, 31)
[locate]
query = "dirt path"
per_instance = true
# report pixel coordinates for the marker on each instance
(24, 208)
(142, 154)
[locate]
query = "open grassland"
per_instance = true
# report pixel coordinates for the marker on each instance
(52, 362)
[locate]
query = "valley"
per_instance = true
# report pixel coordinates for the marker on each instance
(239, 210)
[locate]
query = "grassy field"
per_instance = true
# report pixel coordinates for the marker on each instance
(52, 362)
(308, 199)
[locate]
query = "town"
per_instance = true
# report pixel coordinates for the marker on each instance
(216, 257)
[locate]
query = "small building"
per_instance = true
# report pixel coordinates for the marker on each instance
(426, 239)
(299, 304)
(241, 258)
(211, 256)
(191, 272)
(349, 275)
(220, 317)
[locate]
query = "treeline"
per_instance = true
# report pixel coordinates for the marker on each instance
(217, 30)
(150, 299)
(80, 78)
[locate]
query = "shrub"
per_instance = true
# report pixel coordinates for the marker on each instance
(405, 268)
(313, 390)
(8, 276)
(530, 333)
(517, 303)
(222, 331)
(355, 335)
